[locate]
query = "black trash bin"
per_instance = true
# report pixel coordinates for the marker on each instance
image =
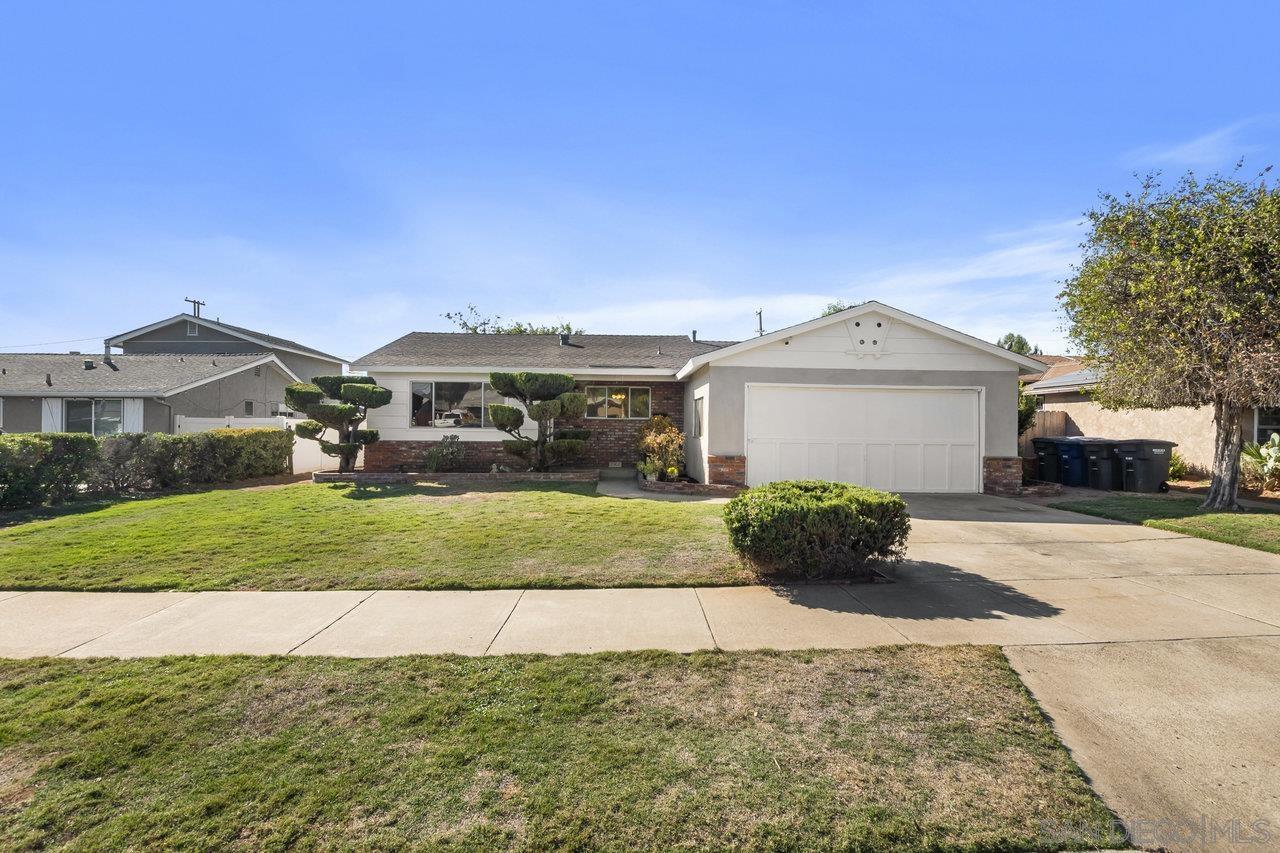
(1102, 464)
(1072, 470)
(1046, 459)
(1144, 464)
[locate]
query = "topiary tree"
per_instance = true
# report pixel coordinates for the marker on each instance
(545, 396)
(340, 403)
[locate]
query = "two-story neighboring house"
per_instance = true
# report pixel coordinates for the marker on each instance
(183, 365)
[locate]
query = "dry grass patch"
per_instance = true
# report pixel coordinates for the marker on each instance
(896, 748)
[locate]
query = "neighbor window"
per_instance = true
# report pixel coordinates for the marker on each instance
(698, 414)
(617, 401)
(97, 417)
(1268, 422)
(248, 408)
(452, 405)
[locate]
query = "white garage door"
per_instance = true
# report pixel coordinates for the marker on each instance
(902, 440)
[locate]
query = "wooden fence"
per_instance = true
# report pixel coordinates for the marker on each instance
(1048, 422)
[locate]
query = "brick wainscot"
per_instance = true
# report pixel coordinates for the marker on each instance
(613, 440)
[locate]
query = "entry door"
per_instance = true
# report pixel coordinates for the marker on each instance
(897, 439)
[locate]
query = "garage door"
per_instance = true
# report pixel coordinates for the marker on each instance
(903, 440)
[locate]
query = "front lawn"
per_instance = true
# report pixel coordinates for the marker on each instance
(1259, 529)
(308, 536)
(895, 748)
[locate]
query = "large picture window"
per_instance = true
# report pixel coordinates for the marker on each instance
(97, 417)
(1267, 423)
(618, 401)
(452, 405)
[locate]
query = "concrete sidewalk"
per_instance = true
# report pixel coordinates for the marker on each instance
(382, 623)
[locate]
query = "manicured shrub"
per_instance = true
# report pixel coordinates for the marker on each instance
(118, 468)
(46, 467)
(227, 455)
(20, 457)
(811, 529)
(662, 444)
(354, 396)
(545, 397)
(160, 459)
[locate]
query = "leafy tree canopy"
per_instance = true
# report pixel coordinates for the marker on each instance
(1176, 302)
(836, 307)
(1014, 342)
(471, 320)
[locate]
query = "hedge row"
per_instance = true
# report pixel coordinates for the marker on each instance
(49, 468)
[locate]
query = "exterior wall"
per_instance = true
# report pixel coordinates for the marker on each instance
(306, 366)
(156, 417)
(20, 414)
(726, 405)
(228, 395)
(695, 448)
(613, 440)
(1192, 429)
(174, 338)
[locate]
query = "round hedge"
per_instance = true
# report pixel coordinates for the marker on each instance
(812, 529)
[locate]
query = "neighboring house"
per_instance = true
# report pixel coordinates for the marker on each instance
(1065, 388)
(868, 395)
(70, 392)
(191, 333)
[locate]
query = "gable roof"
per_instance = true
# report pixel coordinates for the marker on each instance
(269, 341)
(1026, 364)
(149, 375)
(580, 352)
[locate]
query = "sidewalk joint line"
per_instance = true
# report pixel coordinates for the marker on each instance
(892, 627)
(715, 644)
(340, 617)
(187, 597)
(494, 638)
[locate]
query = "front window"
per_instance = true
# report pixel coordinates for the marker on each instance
(618, 401)
(1268, 422)
(97, 417)
(452, 405)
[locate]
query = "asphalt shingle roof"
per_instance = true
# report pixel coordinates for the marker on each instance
(1076, 379)
(465, 349)
(278, 341)
(151, 374)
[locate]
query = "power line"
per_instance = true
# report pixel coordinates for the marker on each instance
(48, 343)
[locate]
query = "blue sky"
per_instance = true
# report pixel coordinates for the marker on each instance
(344, 173)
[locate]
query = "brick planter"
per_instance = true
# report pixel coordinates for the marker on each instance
(680, 488)
(384, 477)
(727, 470)
(1002, 475)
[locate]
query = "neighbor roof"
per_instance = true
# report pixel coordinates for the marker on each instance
(1054, 366)
(466, 349)
(151, 375)
(1073, 381)
(273, 341)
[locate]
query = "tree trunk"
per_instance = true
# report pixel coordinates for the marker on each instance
(1226, 458)
(346, 459)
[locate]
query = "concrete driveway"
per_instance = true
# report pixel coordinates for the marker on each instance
(1154, 653)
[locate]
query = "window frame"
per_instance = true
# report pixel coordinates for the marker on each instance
(193, 329)
(699, 416)
(1272, 421)
(93, 414)
(248, 408)
(626, 406)
(485, 390)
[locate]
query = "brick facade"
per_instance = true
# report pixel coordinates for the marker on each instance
(612, 439)
(727, 470)
(1002, 475)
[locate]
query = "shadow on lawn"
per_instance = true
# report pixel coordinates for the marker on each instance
(373, 491)
(928, 591)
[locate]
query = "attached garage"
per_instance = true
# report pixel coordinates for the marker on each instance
(899, 439)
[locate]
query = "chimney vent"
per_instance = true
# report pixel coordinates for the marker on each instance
(564, 339)
(695, 336)
(48, 379)
(88, 364)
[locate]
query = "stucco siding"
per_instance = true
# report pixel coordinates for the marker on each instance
(20, 414)
(308, 367)
(1191, 428)
(695, 448)
(155, 417)
(726, 401)
(227, 396)
(174, 338)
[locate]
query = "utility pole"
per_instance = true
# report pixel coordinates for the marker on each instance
(195, 305)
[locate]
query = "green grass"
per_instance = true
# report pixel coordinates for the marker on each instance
(895, 748)
(1258, 529)
(308, 536)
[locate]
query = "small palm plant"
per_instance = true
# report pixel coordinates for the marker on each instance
(1262, 462)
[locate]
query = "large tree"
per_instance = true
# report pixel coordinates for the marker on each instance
(341, 404)
(1014, 342)
(1177, 303)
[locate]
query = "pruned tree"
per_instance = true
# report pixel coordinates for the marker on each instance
(545, 397)
(339, 403)
(1177, 303)
(471, 320)
(1014, 342)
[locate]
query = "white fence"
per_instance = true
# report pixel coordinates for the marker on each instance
(306, 453)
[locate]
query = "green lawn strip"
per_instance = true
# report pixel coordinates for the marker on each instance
(1255, 528)
(902, 748)
(309, 536)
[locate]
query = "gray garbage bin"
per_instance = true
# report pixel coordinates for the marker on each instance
(1103, 464)
(1046, 459)
(1144, 464)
